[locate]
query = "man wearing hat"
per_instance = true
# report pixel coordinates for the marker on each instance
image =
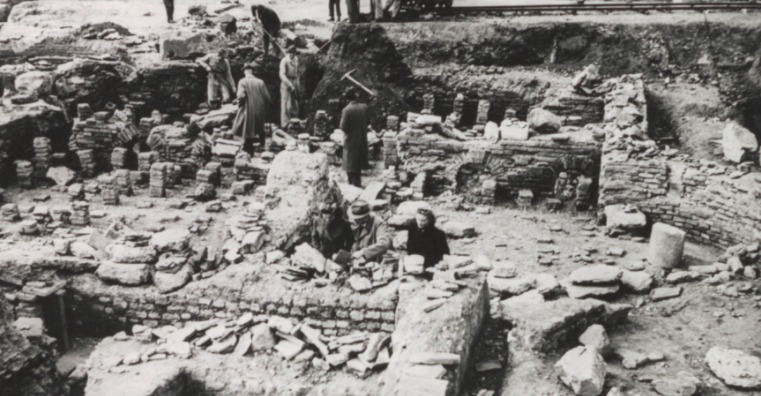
(371, 236)
(220, 76)
(354, 121)
(289, 87)
(253, 100)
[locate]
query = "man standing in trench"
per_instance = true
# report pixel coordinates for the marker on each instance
(221, 81)
(289, 87)
(354, 121)
(253, 100)
(270, 24)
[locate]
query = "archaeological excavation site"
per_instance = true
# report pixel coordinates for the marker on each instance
(456, 198)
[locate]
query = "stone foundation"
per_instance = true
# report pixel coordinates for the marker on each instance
(713, 208)
(19, 125)
(471, 167)
(25, 368)
(99, 310)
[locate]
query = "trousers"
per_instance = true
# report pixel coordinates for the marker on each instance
(355, 178)
(335, 5)
(289, 105)
(216, 88)
(169, 5)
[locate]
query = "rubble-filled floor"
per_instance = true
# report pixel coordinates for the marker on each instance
(597, 178)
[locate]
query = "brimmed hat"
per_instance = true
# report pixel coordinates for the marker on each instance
(359, 210)
(251, 66)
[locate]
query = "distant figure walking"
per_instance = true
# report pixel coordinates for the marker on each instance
(169, 5)
(270, 24)
(253, 100)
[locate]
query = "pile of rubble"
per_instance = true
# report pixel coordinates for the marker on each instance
(360, 352)
(583, 368)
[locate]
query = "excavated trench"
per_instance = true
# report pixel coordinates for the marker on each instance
(715, 67)
(513, 67)
(516, 64)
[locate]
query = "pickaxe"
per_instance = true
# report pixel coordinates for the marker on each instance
(348, 76)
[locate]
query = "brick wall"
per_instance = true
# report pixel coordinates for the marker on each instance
(19, 125)
(98, 309)
(713, 210)
(175, 87)
(99, 136)
(720, 214)
(533, 164)
(625, 180)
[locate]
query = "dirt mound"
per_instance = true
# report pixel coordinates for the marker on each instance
(372, 55)
(105, 26)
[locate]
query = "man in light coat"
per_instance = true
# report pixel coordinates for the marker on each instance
(371, 235)
(220, 78)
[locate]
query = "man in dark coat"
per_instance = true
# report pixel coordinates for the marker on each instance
(425, 239)
(354, 121)
(169, 5)
(253, 101)
(270, 24)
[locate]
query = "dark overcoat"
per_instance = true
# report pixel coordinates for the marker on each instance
(354, 122)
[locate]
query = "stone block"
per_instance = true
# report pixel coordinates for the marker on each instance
(513, 132)
(595, 274)
(124, 274)
(417, 332)
(544, 326)
(637, 281)
(189, 44)
(595, 337)
(35, 82)
(456, 229)
(543, 121)
(666, 246)
(583, 370)
(736, 368)
(132, 255)
(624, 219)
(261, 338)
(171, 240)
(168, 282)
(586, 291)
(738, 143)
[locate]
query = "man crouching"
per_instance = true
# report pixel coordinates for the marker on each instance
(371, 236)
